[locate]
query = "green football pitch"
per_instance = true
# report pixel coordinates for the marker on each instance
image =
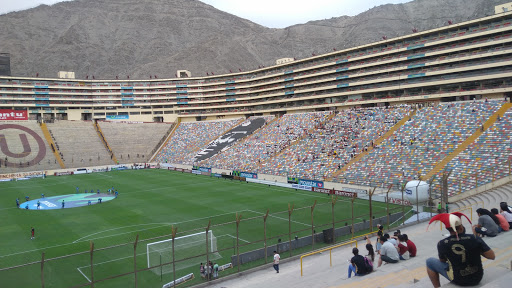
(150, 202)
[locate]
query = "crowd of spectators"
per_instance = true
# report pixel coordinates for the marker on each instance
(248, 154)
(333, 144)
(415, 148)
(189, 137)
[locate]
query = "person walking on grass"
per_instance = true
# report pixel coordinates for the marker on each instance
(32, 233)
(276, 261)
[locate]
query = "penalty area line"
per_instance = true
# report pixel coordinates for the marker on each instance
(83, 274)
(234, 237)
(284, 219)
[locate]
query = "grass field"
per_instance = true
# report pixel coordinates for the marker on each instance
(149, 203)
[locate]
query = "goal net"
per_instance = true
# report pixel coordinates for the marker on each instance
(185, 247)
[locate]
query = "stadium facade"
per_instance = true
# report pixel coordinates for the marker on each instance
(459, 61)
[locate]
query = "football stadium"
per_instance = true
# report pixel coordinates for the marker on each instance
(142, 183)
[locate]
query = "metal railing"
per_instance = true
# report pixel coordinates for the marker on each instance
(323, 250)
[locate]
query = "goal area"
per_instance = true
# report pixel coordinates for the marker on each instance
(185, 247)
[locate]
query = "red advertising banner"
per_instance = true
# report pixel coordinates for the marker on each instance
(9, 114)
(345, 193)
(335, 192)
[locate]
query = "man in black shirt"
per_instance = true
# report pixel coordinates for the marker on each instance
(357, 264)
(459, 254)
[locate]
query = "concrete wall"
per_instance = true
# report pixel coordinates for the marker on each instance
(305, 241)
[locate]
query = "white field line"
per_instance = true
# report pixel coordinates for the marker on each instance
(160, 225)
(65, 244)
(83, 274)
(144, 253)
(102, 174)
(233, 237)
(284, 219)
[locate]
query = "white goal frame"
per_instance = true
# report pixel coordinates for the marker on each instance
(210, 239)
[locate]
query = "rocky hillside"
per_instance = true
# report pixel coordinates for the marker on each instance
(109, 38)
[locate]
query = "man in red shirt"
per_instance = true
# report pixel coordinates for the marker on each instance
(410, 246)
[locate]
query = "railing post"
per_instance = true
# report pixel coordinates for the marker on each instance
(174, 230)
(42, 270)
(207, 253)
(91, 252)
(403, 204)
(135, 258)
(387, 204)
(312, 227)
(333, 202)
(352, 213)
(370, 194)
(265, 234)
(290, 210)
(238, 218)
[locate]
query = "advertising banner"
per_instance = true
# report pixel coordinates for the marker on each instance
(311, 183)
(9, 114)
(322, 190)
(344, 193)
(118, 117)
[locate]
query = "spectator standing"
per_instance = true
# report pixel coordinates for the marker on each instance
(276, 261)
(215, 270)
(380, 233)
(459, 254)
(202, 271)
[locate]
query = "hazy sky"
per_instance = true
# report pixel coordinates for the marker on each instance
(269, 13)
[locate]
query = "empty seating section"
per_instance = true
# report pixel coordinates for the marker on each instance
(79, 144)
(20, 149)
(248, 154)
(332, 145)
(419, 144)
(189, 137)
(133, 142)
(484, 160)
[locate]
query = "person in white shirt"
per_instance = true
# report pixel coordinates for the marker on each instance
(276, 261)
(388, 252)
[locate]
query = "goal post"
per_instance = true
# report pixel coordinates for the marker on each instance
(185, 247)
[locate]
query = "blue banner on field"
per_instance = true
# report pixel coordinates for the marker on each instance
(202, 169)
(311, 183)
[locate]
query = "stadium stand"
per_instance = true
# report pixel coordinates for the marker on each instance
(25, 159)
(79, 144)
(266, 142)
(331, 145)
(421, 143)
(133, 142)
(190, 137)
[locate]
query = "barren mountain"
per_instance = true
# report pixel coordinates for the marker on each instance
(109, 38)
